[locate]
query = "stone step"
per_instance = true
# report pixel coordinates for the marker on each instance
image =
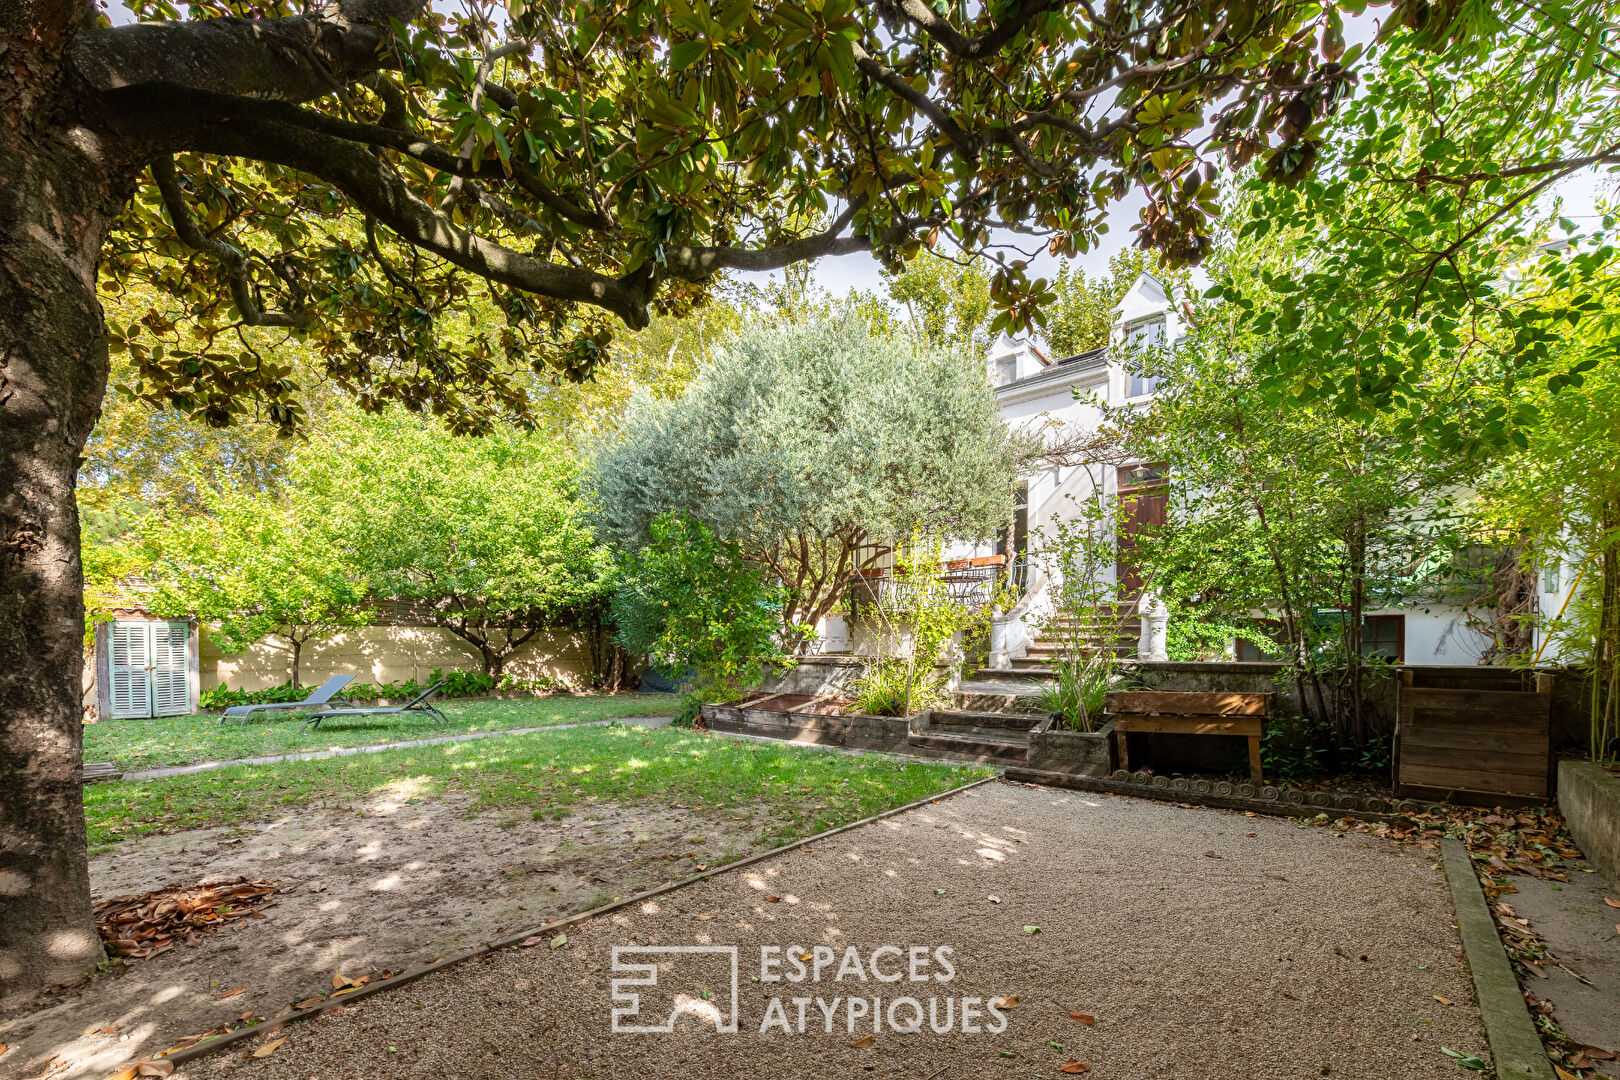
(980, 746)
(1004, 681)
(1041, 650)
(976, 722)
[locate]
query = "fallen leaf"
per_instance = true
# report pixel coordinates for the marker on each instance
(1611, 901)
(1084, 1018)
(229, 993)
(804, 956)
(1442, 1000)
(269, 1048)
(703, 918)
(773, 899)
(1211, 855)
(1074, 1067)
(862, 1043)
(127, 1074)
(1032, 929)
(308, 1003)
(530, 942)
(1535, 969)
(559, 941)
(1008, 1001)
(159, 1067)
(1593, 1052)
(994, 899)
(338, 981)
(1564, 1074)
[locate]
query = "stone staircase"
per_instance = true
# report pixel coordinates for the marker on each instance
(976, 736)
(1111, 628)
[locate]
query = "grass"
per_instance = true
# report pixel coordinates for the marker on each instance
(187, 740)
(796, 791)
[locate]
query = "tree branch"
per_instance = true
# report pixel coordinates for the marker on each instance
(231, 260)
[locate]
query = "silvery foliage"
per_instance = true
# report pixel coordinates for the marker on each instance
(819, 431)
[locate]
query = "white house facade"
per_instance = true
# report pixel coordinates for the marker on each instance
(1038, 394)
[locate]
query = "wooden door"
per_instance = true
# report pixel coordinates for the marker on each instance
(1144, 495)
(129, 664)
(170, 695)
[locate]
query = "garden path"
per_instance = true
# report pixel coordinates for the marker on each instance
(1204, 943)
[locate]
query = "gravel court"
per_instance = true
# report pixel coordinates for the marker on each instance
(1200, 949)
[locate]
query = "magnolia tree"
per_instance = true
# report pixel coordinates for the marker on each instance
(351, 173)
(254, 565)
(487, 533)
(815, 447)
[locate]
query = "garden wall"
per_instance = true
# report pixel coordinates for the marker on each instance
(1589, 797)
(383, 654)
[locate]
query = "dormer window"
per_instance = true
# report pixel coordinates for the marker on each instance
(1141, 336)
(1006, 370)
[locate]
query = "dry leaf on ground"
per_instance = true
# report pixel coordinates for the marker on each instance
(269, 1048)
(1442, 1000)
(1074, 1067)
(229, 993)
(1611, 901)
(1084, 1018)
(136, 927)
(160, 1067)
(1010, 1001)
(862, 1043)
(559, 941)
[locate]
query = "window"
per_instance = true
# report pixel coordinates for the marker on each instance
(1020, 526)
(1140, 336)
(1249, 652)
(1384, 635)
(1549, 576)
(1006, 370)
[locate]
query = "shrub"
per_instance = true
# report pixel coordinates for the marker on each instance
(1079, 691)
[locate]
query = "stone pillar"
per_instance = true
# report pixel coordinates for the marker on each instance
(1155, 618)
(1001, 632)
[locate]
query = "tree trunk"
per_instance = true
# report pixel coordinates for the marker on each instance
(297, 652)
(1355, 671)
(57, 199)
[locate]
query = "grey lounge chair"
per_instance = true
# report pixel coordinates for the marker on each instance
(418, 704)
(323, 695)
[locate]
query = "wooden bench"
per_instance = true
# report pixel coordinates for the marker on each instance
(1191, 712)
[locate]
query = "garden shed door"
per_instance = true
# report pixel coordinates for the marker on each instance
(148, 667)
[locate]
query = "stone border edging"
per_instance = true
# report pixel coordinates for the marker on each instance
(1515, 1044)
(274, 1024)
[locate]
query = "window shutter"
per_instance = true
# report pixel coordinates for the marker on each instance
(131, 695)
(169, 697)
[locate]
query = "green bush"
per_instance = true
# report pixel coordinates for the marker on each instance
(690, 602)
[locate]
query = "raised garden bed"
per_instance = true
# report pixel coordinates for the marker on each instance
(823, 719)
(1060, 751)
(1482, 737)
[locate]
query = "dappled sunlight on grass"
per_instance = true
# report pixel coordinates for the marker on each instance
(788, 792)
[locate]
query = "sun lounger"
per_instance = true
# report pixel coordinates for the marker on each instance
(418, 704)
(323, 695)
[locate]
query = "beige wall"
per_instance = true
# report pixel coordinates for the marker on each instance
(378, 654)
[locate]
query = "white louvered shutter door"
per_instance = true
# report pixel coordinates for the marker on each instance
(131, 695)
(169, 697)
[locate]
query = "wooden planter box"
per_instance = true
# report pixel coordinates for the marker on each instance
(1191, 712)
(1480, 737)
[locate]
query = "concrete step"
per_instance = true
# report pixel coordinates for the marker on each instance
(974, 746)
(973, 722)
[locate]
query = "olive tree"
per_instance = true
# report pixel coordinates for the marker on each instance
(816, 447)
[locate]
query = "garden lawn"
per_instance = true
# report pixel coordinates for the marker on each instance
(187, 740)
(793, 791)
